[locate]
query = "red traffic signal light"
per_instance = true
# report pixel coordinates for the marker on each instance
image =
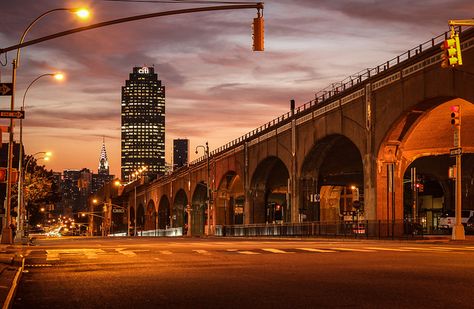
(455, 115)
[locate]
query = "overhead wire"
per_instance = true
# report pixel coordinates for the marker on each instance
(183, 1)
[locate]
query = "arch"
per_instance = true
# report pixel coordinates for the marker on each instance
(180, 216)
(422, 138)
(199, 209)
(140, 217)
(150, 216)
(270, 200)
(331, 184)
(164, 213)
(230, 200)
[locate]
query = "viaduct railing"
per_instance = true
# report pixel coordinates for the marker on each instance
(364, 229)
(326, 95)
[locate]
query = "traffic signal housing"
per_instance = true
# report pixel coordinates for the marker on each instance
(452, 52)
(258, 33)
(455, 115)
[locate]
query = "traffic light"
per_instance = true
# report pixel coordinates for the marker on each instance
(3, 174)
(455, 115)
(258, 41)
(452, 52)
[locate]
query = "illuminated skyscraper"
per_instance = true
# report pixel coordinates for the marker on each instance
(143, 123)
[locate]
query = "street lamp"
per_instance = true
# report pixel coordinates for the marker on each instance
(7, 232)
(206, 152)
(57, 76)
(135, 175)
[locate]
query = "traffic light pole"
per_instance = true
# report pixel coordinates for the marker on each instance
(458, 228)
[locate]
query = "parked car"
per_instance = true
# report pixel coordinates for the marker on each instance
(469, 227)
(448, 219)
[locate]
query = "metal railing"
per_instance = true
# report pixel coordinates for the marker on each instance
(366, 229)
(327, 94)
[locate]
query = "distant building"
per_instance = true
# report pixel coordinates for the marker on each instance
(102, 176)
(75, 188)
(143, 123)
(180, 153)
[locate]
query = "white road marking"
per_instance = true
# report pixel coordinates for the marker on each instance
(202, 252)
(316, 250)
(232, 250)
(166, 252)
(248, 252)
(454, 248)
(433, 250)
(125, 252)
(275, 250)
(387, 249)
(352, 250)
(53, 254)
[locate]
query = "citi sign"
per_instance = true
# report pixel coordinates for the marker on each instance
(143, 70)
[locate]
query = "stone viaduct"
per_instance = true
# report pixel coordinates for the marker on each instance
(352, 148)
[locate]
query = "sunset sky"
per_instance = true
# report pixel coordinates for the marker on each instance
(217, 88)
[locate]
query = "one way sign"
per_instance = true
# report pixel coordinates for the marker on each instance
(6, 88)
(12, 114)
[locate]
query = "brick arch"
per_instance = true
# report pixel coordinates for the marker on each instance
(230, 199)
(423, 132)
(269, 192)
(164, 212)
(150, 216)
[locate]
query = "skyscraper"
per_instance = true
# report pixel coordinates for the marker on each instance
(102, 176)
(143, 123)
(180, 152)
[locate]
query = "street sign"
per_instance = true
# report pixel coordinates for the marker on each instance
(6, 88)
(455, 152)
(12, 114)
(118, 210)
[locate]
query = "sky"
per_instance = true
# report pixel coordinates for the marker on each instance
(217, 88)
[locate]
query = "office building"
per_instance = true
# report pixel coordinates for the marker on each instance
(143, 124)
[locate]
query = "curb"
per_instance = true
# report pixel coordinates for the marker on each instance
(11, 293)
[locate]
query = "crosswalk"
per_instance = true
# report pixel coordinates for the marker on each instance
(56, 255)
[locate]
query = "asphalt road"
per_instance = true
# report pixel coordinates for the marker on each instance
(235, 273)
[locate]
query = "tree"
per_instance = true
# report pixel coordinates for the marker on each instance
(39, 189)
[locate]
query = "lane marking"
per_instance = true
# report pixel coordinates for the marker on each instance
(166, 252)
(386, 249)
(316, 250)
(276, 251)
(232, 250)
(454, 248)
(353, 250)
(247, 252)
(204, 252)
(53, 254)
(125, 252)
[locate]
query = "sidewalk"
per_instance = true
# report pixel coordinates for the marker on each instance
(11, 268)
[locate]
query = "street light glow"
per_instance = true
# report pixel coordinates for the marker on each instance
(58, 76)
(82, 13)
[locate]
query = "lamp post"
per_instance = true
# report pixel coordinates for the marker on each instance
(22, 227)
(20, 233)
(206, 152)
(7, 232)
(136, 175)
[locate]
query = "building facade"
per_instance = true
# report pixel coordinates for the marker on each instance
(143, 124)
(180, 153)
